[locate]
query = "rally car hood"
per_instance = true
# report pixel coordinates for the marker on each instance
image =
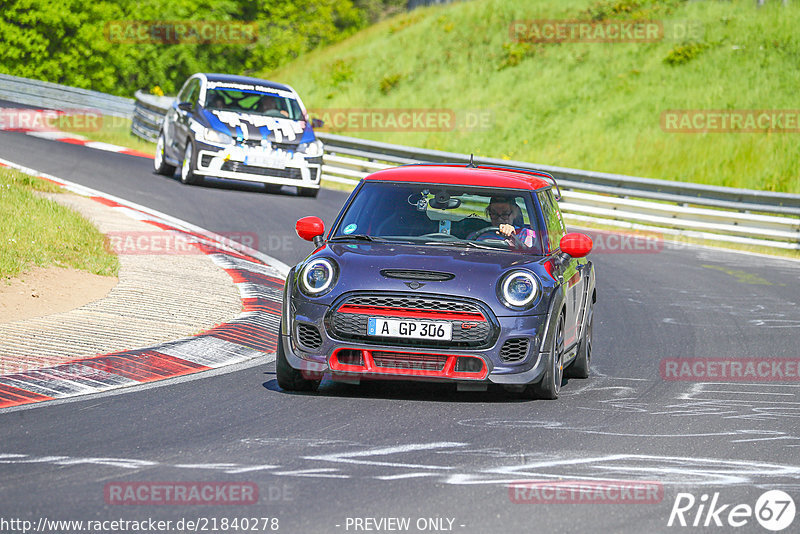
(253, 127)
(476, 272)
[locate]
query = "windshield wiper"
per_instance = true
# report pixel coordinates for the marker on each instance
(463, 244)
(360, 237)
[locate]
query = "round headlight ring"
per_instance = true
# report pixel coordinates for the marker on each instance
(516, 281)
(323, 272)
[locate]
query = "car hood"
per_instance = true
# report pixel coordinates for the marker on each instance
(476, 272)
(252, 127)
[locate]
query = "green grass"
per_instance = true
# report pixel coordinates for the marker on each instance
(116, 131)
(40, 232)
(592, 106)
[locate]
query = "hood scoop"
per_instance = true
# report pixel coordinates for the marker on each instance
(411, 274)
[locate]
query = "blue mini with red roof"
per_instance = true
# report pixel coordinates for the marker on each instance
(442, 272)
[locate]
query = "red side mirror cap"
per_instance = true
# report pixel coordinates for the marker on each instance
(309, 228)
(576, 245)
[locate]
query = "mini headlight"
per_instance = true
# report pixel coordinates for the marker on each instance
(213, 136)
(312, 149)
(317, 277)
(519, 288)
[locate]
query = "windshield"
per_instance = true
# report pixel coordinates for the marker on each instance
(254, 103)
(446, 215)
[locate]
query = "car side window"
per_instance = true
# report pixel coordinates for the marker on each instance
(183, 95)
(194, 93)
(552, 219)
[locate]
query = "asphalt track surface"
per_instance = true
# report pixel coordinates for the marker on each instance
(419, 451)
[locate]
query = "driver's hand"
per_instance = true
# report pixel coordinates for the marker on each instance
(506, 229)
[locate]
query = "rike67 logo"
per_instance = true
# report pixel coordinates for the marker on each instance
(774, 510)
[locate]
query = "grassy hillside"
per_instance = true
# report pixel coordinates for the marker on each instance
(585, 105)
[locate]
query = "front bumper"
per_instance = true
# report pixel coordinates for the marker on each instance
(236, 162)
(360, 360)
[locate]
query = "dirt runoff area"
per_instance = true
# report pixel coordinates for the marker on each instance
(45, 291)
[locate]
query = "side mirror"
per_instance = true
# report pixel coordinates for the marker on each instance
(185, 106)
(310, 229)
(317, 123)
(576, 245)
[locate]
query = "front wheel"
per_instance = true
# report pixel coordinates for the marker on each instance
(159, 163)
(189, 165)
(580, 367)
(289, 378)
(550, 385)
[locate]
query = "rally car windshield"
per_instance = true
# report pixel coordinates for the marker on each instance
(254, 103)
(446, 215)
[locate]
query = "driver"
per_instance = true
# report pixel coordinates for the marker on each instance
(269, 104)
(506, 215)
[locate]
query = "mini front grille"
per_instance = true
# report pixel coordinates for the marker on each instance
(471, 326)
(309, 336)
(205, 161)
(515, 349)
(409, 274)
(419, 362)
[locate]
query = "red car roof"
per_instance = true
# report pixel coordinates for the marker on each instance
(461, 175)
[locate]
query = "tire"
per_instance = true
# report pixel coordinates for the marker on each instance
(550, 385)
(162, 167)
(189, 165)
(307, 192)
(580, 367)
(289, 378)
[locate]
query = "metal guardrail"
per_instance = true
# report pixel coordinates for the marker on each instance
(54, 96)
(673, 208)
(148, 113)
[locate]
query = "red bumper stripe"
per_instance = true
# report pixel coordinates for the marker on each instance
(411, 313)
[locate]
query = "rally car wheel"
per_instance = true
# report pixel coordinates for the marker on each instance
(289, 378)
(550, 385)
(580, 367)
(159, 164)
(189, 164)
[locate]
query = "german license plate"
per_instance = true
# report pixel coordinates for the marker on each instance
(409, 329)
(273, 160)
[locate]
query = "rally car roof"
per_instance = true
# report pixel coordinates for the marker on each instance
(232, 78)
(450, 174)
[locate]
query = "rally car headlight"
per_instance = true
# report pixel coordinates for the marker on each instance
(210, 135)
(317, 277)
(519, 289)
(312, 149)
